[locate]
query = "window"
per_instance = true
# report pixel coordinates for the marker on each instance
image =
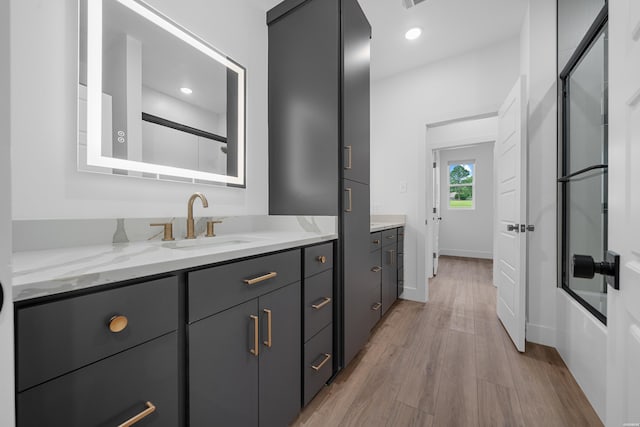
(462, 185)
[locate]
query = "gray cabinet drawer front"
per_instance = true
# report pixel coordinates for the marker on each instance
(218, 288)
(317, 290)
(315, 352)
(109, 392)
(375, 241)
(313, 257)
(58, 337)
(389, 236)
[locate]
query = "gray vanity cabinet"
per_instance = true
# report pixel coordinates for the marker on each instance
(244, 361)
(389, 286)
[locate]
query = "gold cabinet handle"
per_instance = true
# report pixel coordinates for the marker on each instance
(349, 157)
(350, 208)
(376, 269)
(322, 259)
(319, 366)
(268, 341)
(168, 230)
(118, 323)
(326, 301)
(133, 420)
(391, 237)
(255, 350)
(261, 278)
(376, 242)
(376, 306)
(392, 257)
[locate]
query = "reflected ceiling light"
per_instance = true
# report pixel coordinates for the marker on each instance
(186, 90)
(413, 33)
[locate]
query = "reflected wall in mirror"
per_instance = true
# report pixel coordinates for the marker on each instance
(156, 101)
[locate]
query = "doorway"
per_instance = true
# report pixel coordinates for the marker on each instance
(463, 200)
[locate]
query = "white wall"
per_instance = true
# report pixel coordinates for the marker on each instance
(539, 65)
(401, 107)
(468, 232)
(44, 61)
(7, 402)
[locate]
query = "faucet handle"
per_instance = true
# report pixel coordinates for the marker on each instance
(210, 229)
(168, 230)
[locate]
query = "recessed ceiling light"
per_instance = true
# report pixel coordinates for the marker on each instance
(186, 90)
(413, 33)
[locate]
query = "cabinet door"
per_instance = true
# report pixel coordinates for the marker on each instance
(374, 283)
(356, 34)
(357, 290)
(109, 392)
(304, 99)
(223, 373)
(389, 277)
(280, 356)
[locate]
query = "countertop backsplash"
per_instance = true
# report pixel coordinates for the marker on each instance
(33, 235)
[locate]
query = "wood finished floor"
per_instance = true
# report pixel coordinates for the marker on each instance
(449, 362)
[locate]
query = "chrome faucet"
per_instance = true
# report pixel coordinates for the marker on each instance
(190, 222)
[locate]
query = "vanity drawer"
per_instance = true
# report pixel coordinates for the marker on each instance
(375, 241)
(389, 236)
(317, 259)
(58, 337)
(318, 363)
(110, 392)
(218, 288)
(318, 303)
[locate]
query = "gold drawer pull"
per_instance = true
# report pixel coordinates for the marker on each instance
(268, 341)
(349, 162)
(144, 414)
(350, 192)
(376, 269)
(376, 242)
(255, 350)
(319, 366)
(376, 306)
(118, 323)
(261, 278)
(326, 301)
(391, 237)
(322, 259)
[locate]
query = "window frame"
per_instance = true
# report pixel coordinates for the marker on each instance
(472, 185)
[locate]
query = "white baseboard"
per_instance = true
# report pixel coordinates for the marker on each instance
(541, 335)
(466, 254)
(413, 294)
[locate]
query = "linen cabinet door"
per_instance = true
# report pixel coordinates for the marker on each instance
(357, 289)
(223, 368)
(280, 356)
(356, 36)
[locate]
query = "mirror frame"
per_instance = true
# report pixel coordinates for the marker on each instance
(94, 95)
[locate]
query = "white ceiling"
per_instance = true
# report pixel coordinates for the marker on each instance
(450, 28)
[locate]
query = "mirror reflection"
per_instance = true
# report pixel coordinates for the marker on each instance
(168, 106)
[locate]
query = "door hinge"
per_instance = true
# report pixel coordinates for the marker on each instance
(435, 165)
(531, 228)
(434, 255)
(434, 210)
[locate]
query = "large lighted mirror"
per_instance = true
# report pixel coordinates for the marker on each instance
(156, 101)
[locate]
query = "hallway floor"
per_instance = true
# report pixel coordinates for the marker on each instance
(450, 363)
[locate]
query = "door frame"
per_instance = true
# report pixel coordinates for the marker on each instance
(425, 204)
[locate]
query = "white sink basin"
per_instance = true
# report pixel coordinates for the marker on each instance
(208, 242)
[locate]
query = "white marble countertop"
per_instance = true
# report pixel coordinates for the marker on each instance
(47, 272)
(379, 226)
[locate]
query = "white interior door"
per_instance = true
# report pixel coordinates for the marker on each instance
(6, 310)
(510, 253)
(436, 210)
(623, 310)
